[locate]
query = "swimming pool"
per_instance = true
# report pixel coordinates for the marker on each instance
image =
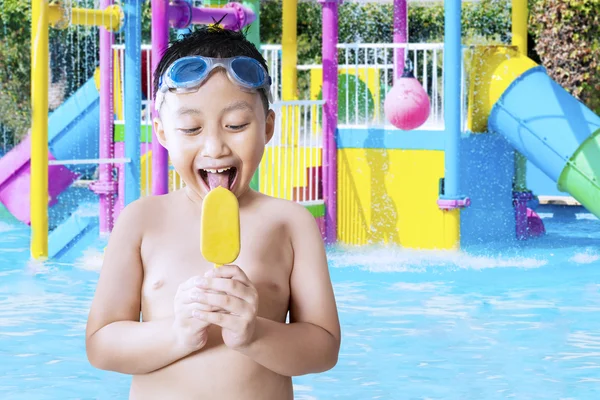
(522, 322)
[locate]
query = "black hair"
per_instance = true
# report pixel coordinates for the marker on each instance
(210, 41)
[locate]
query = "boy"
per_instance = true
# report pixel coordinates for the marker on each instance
(209, 333)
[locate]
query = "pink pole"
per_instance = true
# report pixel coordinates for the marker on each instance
(330, 116)
(400, 33)
(105, 187)
(160, 43)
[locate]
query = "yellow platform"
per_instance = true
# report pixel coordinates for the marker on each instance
(389, 196)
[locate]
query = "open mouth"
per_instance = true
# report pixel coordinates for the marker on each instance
(215, 177)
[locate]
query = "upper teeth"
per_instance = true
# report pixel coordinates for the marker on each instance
(215, 171)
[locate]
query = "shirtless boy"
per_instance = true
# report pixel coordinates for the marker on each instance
(162, 313)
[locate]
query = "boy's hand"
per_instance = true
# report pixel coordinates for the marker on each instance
(228, 288)
(191, 332)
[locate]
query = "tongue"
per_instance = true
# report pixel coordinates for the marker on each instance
(218, 179)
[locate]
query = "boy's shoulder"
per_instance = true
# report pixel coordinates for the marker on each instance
(290, 213)
(144, 210)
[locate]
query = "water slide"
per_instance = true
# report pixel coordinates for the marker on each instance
(72, 134)
(539, 118)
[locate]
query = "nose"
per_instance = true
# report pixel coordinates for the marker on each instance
(214, 146)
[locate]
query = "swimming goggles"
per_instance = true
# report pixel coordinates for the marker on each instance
(187, 74)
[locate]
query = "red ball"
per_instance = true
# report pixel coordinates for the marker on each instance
(407, 104)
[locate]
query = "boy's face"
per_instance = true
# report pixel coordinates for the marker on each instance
(215, 136)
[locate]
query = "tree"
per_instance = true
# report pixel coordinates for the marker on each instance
(567, 39)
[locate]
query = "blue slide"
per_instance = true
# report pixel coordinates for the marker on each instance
(72, 134)
(554, 131)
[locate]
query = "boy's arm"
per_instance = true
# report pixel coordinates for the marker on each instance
(116, 340)
(311, 342)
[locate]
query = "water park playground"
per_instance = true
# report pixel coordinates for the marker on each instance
(461, 220)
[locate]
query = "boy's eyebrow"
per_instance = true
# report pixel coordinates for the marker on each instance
(188, 111)
(238, 105)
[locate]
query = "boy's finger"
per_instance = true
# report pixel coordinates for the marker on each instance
(232, 287)
(226, 321)
(201, 307)
(229, 271)
(225, 302)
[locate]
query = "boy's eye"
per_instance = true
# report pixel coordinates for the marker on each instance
(190, 131)
(237, 127)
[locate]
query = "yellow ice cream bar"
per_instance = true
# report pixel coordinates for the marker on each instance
(220, 227)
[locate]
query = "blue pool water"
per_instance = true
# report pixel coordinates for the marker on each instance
(520, 322)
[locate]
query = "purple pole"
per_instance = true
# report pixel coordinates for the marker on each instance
(330, 116)
(160, 43)
(400, 33)
(105, 187)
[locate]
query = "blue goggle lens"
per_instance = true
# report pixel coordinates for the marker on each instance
(248, 71)
(188, 72)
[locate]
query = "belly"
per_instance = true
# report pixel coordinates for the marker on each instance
(214, 372)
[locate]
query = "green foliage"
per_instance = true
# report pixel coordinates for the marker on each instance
(567, 40)
(373, 23)
(14, 67)
(360, 99)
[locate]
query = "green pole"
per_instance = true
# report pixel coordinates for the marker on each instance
(520, 172)
(253, 35)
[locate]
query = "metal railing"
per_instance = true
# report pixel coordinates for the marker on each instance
(272, 55)
(367, 73)
(291, 166)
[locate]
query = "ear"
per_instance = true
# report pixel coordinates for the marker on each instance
(269, 126)
(160, 132)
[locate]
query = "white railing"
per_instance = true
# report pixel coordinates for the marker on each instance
(372, 66)
(272, 55)
(291, 166)
(367, 74)
(119, 54)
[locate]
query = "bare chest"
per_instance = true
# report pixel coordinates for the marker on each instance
(172, 255)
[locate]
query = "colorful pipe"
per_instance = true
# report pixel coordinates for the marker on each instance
(330, 115)
(451, 200)
(521, 195)
(289, 51)
(110, 18)
(160, 42)
(400, 33)
(133, 79)
(232, 16)
(106, 187)
(39, 129)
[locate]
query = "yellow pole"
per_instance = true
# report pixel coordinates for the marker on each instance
(110, 18)
(39, 129)
(519, 39)
(289, 78)
(451, 223)
(118, 99)
(519, 25)
(289, 50)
